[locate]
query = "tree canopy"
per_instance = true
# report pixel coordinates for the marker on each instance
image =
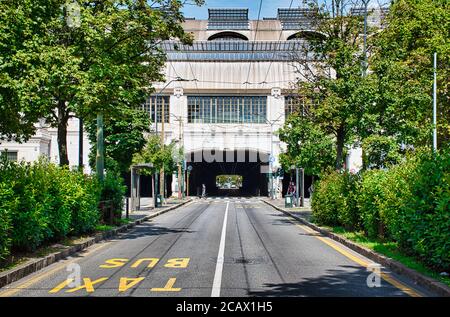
(61, 59)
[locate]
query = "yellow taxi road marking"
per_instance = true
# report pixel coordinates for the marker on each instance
(387, 277)
(168, 287)
(126, 283)
(88, 285)
(39, 277)
(60, 286)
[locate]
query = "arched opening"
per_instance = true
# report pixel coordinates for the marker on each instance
(228, 36)
(249, 166)
(306, 35)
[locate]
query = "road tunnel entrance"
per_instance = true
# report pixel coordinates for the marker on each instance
(250, 167)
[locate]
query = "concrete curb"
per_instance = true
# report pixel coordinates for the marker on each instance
(28, 268)
(395, 266)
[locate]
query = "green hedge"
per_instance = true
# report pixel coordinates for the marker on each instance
(408, 203)
(114, 190)
(334, 200)
(7, 203)
(43, 202)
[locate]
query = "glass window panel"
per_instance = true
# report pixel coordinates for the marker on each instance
(227, 109)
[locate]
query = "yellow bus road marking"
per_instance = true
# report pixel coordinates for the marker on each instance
(152, 262)
(23, 286)
(168, 287)
(385, 276)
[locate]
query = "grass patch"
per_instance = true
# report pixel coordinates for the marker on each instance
(102, 228)
(391, 250)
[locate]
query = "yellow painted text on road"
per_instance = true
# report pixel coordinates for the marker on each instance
(180, 263)
(88, 285)
(113, 263)
(151, 262)
(168, 287)
(126, 283)
(60, 286)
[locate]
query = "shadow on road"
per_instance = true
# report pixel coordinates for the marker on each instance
(349, 281)
(149, 229)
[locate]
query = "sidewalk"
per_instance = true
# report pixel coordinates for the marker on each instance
(147, 207)
(303, 212)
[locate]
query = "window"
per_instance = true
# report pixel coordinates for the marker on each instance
(296, 104)
(228, 19)
(227, 109)
(149, 106)
(228, 36)
(10, 155)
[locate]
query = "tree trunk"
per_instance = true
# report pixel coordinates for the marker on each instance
(63, 118)
(340, 148)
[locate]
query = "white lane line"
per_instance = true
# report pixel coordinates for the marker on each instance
(220, 258)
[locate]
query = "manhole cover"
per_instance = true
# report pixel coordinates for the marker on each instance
(242, 260)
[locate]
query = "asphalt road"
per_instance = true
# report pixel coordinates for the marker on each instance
(216, 247)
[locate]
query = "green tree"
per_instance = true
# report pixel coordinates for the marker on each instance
(330, 76)
(124, 136)
(307, 145)
(157, 154)
(99, 58)
(402, 66)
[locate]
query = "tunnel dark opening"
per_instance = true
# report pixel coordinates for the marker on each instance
(244, 163)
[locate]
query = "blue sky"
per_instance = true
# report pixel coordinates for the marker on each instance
(269, 7)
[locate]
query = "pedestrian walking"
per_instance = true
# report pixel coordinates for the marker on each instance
(203, 191)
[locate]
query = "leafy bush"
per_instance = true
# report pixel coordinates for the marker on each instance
(113, 189)
(408, 203)
(44, 202)
(425, 220)
(349, 215)
(82, 197)
(369, 197)
(328, 199)
(334, 200)
(7, 203)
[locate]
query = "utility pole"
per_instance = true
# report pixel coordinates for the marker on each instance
(100, 161)
(364, 70)
(179, 163)
(80, 144)
(161, 172)
(302, 190)
(156, 185)
(297, 187)
(435, 103)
